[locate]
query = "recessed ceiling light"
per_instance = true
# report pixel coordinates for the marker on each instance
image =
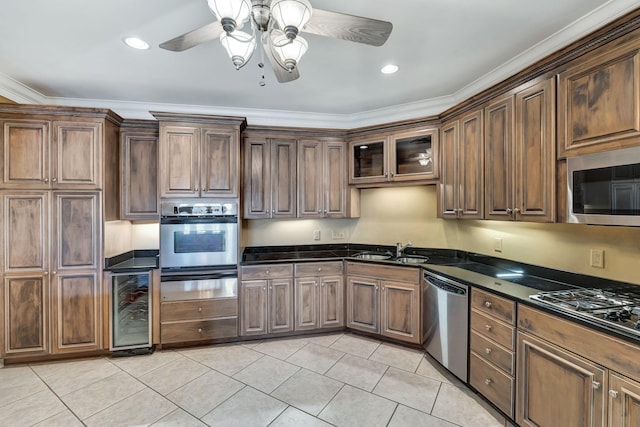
(136, 43)
(389, 69)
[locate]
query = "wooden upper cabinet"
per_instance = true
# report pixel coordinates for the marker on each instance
(283, 178)
(340, 201)
(461, 184)
(310, 179)
(179, 161)
(139, 171)
(219, 163)
(25, 153)
(77, 155)
(599, 101)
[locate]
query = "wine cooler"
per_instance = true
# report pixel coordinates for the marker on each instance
(130, 311)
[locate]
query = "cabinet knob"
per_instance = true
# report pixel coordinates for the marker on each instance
(264, 289)
(199, 309)
(487, 304)
(613, 393)
(315, 284)
(391, 174)
(204, 188)
(319, 210)
(376, 287)
(54, 179)
(595, 385)
(509, 211)
(488, 381)
(46, 179)
(487, 327)
(319, 268)
(267, 272)
(199, 330)
(516, 211)
(195, 190)
(487, 350)
(46, 273)
(325, 212)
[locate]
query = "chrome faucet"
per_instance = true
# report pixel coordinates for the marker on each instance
(400, 248)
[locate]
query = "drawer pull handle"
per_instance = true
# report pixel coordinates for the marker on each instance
(595, 385)
(319, 268)
(613, 393)
(487, 350)
(267, 272)
(488, 381)
(199, 309)
(487, 304)
(487, 327)
(199, 330)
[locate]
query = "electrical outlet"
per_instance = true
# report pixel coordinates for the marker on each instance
(497, 244)
(597, 258)
(337, 234)
(316, 234)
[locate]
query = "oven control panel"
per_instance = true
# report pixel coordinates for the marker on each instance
(173, 209)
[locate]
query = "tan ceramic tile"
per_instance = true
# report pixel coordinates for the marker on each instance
(316, 358)
(249, 407)
(31, 409)
(62, 419)
(293, 417)
(407, 417)
(143, 364)
(205, 393)
(228, 359)
(308, 391)
(428, 367)
(95, 397)
(142, 408)
(173, 375)
(397, 356)
(409, 389)
(266, 374)
(358, 372)
(353, 407)
(66, 377)
(280, 349)
(17, 383)
(179, 418)
(460, 407)
(355, 345)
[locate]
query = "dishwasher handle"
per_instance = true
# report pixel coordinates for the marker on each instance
(445, 285)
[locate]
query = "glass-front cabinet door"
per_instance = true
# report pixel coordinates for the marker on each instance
(368, 161)
(414, 155)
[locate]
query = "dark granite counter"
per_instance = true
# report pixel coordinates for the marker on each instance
(138, 260)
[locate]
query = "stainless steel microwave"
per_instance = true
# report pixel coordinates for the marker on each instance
(604, 188)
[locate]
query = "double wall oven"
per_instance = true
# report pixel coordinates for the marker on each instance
(198, 248)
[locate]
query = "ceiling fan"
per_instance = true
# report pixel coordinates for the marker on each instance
(277, 23)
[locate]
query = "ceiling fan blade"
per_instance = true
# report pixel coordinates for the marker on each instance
(194, 38)
(282, 75)
(348, 27)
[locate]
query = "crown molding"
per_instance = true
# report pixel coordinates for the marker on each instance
(613, 9)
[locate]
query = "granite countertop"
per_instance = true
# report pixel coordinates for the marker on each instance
(137, 260)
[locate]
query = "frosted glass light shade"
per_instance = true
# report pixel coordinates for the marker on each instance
(291, 13)
(288, 51)
(239, 46)
(238, 10)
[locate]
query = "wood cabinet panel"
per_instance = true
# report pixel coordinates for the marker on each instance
(448, 193)
(280, 305)
(555, 387)
(494, 329)
(25, 314)
(139, 170)
(253, 314)
(498, 307)
(219, 163)
(77, 230)
(257, 178)
(310, 179)
(331, 302)
(25, 231)
(199, 309)
(491, 382)
(340, 201)
(25, 153)
(400, 311)
(383, 272)
(283, 178)
(178, 161)
(492, 352)
(199, 330)
(256, 272)
(318, 268)
(306, 304)
(624, 401)
(77, 149)
(363, 304)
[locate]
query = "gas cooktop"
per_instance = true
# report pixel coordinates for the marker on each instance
(619, 309)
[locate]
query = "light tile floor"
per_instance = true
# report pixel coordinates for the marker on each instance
(336, 379)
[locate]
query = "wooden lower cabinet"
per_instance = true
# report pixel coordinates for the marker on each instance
(266, 306)
(400, 311)
(624, 401)
(319, 295)
(25, 325)
(363, 304)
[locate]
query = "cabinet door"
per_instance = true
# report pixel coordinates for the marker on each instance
(280, 305)
(257, 178)
(76, 312)
(283, 178)
(25, 153)
(253, 294)
(331, 309)
(219, 163)
(414, 155)
(400, 311)
(25, 232)
(76, 231)
(335, 180)
(25, 303)
(624, 401)
(499, 162)
(557, 388)
(363, 304)
(179, 161)
(470, 167)
(448, 188)
(306, 307)
(368, 161)
(535, 153)
(310, 173)
(139, 163)
(76, 155)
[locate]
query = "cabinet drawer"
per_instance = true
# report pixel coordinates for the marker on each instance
(494, 384)
(498, 307)
(318, 269)
(198, 309)
(384, 272)
(493, 329)
(197, 330)
(489, 350)
(255, 272)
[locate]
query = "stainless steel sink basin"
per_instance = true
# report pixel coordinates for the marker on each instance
(412, 259)
(372, 256)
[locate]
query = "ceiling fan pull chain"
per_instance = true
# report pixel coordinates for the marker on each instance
(262, 82)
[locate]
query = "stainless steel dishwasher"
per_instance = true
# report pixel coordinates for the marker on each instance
(446, 319)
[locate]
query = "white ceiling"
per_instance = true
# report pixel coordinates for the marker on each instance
(70, 52)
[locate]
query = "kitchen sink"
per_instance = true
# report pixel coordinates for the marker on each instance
(412, 259)
(372, 256)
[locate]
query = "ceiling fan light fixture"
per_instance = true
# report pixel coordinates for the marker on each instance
(239, 46)
(291, 15)
(232, 14)
(288, 51)
(389, 69)
(136, 43)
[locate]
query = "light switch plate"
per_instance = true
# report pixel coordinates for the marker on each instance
(597, 258)
(316, 234)
(497, 244)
